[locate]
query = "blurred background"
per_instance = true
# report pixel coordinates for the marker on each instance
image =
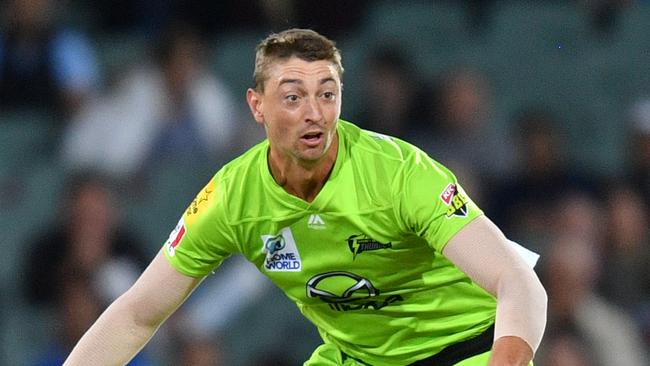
(114, 114)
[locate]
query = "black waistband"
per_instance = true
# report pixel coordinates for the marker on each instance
(461, 350)
(454, 353)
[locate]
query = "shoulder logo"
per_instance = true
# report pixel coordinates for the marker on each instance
(448, 193)
(281, 252)
(316, 222)
(175, 237)
(458, 205)
(200, 202)
(362, 243)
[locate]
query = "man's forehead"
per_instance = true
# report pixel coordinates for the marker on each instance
(298, 70)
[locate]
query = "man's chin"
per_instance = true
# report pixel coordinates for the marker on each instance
(311, 156)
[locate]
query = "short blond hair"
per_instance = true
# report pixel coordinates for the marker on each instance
(305, 44)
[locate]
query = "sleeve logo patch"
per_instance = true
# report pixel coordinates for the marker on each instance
(458, 205)
(447, 195)
(175, 237)
(200, 202)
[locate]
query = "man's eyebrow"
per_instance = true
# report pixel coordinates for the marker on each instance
(328, 79)
(300, 82)
(290, 81)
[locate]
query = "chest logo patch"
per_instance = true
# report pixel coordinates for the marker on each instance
(316, 222)
(362, 243)
(281, 252)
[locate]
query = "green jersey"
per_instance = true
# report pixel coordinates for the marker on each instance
(363, 261)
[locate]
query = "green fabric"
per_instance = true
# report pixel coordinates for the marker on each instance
(478, 360)
(362, 261)
(329, 355)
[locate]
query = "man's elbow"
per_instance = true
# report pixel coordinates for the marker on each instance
(135, 311)
(538, 292)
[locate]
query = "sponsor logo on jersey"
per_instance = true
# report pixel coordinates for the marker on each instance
(281, 252)
(316, 222)
(448, 194)
(200, 202)
(362, 243)
(345, 291)
(175, 237)
(458, 205)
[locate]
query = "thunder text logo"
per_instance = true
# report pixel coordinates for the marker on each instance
(362, 243)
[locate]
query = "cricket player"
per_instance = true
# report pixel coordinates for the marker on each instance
(376, 243)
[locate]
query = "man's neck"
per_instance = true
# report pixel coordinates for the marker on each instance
(304, 181)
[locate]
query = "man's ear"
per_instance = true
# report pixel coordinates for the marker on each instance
(254, 100)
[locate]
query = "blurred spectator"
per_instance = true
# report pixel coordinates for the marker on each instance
(578, 212)
(210, 18)
(625, 277)
(570, 272)
(89, 239)
(639, 152)
(391, 87)
(43, 63)
(524, 202)
(217, 17)
(629, 236)
(456, 129)
(131, 16)
(336, 19)
(199, 352)
(479, 14)
(236, 275)
(565, 348)
(169, 108)
(604, 15)
(77, 306)
(272, 359)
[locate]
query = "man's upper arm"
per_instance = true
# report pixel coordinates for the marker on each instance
(430, 201)
(482, 251)
(159, 291)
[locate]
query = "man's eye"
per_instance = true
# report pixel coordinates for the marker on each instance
(329, 95)
(291, 98)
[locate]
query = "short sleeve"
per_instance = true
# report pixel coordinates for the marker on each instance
(430, 201)
(201, 240)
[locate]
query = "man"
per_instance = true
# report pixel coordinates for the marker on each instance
(376, 243)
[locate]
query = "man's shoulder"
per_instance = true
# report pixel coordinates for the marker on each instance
(227, 191)
(248, 157)
(374, 145)
(243, 167)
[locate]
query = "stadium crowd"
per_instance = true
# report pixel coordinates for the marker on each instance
(113, 114)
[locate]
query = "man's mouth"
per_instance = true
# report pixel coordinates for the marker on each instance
(312, 139)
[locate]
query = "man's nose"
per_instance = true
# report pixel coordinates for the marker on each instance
(314, 112)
